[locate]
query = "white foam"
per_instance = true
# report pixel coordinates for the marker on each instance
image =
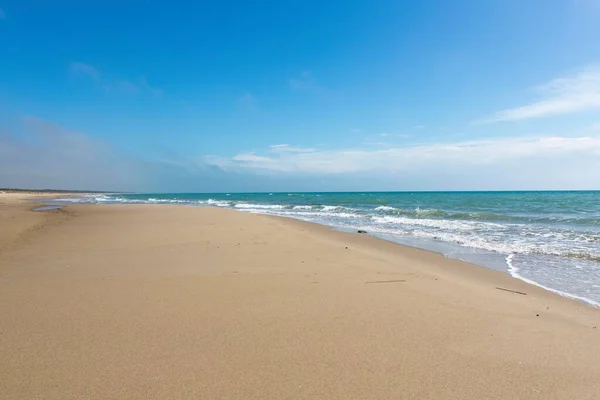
(475, 235)
(515, 273)
(385, 208)
(105, 199)
(432, 223)
(260, 206)
(92, 198)
(302, 208)
(217, 203)
(333, 208)
(165, 201)
(331, 215)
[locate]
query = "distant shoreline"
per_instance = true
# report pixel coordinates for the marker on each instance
(14, 190)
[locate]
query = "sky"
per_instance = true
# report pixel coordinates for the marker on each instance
(238, 96)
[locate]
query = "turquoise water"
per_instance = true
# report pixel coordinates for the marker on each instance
(551, 239)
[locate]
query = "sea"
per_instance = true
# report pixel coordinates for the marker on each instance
(546, 238)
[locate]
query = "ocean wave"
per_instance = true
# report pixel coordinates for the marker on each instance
(260, 206)
(432, 223)
(484, 237)
(324, 218)
(91, 199)
(334, 208)
(217, 203)
(433, 213)
(166, 201)
(386, 208)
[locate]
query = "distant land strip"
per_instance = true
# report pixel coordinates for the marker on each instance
(14, 190)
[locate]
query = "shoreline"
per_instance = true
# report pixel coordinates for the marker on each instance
(41, 199)
(158, 301)
(508, 268)
(520, 285)
(66, 211)
(510, 271)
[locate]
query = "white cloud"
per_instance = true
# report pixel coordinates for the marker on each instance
(567, 95)
(286, 148)
(251, 158)
(43, 155)
(393, 160)
(113, 84)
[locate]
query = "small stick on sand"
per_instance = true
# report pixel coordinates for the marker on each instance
(512, 291)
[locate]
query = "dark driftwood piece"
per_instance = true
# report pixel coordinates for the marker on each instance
(512, 291)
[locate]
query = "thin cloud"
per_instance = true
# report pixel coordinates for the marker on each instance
(113, 84)
(85, 69)
(251, 157)
(247, 102)
(396, 135)
(594, 127)
(145, 86)
(41, 154)
(567, 95)
(45, 155)
(375, 143)
(406, 159)
(286, 148)
(120, 86)
(306, 83)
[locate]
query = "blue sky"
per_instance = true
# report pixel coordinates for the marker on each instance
(300, 95)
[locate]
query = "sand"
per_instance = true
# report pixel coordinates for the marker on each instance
(176, 302)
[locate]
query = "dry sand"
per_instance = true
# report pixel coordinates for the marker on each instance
(175, 302)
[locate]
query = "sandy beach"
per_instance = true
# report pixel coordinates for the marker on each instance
(181, 302)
